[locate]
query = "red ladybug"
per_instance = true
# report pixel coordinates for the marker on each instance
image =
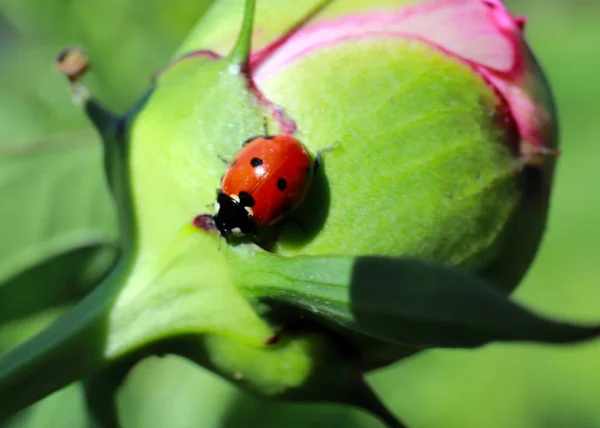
(266, 180)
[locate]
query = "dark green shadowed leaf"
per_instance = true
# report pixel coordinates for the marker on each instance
(67, 350)
(31, 299)
(403, 301)
(427, 304)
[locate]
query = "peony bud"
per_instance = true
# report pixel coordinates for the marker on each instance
(435, 107)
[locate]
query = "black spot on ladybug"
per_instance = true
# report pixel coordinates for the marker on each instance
(255, 162)
(281, 184)
(246, 199)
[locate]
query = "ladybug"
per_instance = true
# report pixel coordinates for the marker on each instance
(266, 180)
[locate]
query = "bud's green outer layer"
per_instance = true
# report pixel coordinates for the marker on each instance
(421, 169)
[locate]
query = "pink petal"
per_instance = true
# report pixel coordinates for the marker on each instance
(480, 33)
(477, 31)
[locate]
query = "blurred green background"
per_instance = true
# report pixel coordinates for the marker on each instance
(498, 386)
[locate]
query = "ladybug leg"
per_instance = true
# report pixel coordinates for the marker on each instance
(318, 161)
(250, 139)
(265, 131)
(319, 157)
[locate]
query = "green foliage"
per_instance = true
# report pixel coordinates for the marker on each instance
(50, 212)
(440, 369)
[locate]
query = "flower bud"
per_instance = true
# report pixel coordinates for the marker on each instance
(434, 124)
(435, 108)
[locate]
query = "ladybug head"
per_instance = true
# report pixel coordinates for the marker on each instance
(232, 217)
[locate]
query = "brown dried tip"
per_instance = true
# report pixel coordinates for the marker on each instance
(72, 63)
(535, 156)
(274, 338)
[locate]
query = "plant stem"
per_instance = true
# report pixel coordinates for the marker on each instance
(241, 51)
(69, 349)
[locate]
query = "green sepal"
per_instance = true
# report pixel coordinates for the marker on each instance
(405, 301)
(114, 131)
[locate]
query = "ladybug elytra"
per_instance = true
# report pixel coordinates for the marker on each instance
(266, 180)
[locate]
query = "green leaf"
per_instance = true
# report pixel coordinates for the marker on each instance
(401, 300)
(31, 299)
(63, 352)
(172, 391)
(65, 408)
(58, 227)
(55, 200)
(14, 332)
